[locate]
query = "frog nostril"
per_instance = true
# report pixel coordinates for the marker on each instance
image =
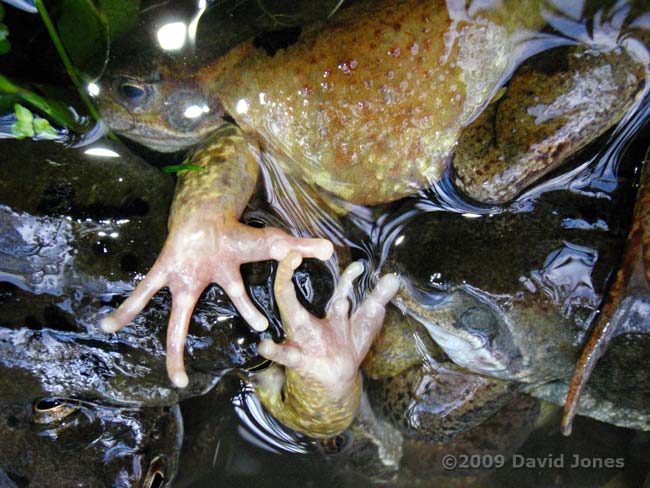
(335, 445)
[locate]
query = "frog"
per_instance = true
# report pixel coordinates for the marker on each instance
(80, 443)
(418, 389)
(376, 451)
(320, 119)
(525, 314)
(417, 401)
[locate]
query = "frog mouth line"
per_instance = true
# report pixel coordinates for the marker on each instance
(167, 142)
(463, 352)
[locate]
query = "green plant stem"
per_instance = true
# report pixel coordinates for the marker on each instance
(72, 72)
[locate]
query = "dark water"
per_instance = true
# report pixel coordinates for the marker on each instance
(79, 229)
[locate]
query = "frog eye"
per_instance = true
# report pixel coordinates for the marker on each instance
(480, 321)
(49, 410)
(132, 92)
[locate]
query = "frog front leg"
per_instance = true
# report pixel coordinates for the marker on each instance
(207, 243)
(318, 392)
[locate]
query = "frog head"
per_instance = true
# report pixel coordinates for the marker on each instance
(509, 294)
(160, 110)
(493, 335)
(112, 446)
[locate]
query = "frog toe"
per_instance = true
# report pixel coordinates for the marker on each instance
(254, 244)
(136, 301)
(293, 313)
(233, 285)
(369, 318)
(288, 355)
(344, 286)
(183, 302)
(339, 306)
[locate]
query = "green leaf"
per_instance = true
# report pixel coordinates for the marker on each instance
(27, 125)
(80, 29)
(11, 94)
(23, 114)
(24, 123)
(2, 11)
(44, 129)
(121, 15)
(175, 168)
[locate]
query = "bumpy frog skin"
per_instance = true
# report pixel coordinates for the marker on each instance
(367, 108)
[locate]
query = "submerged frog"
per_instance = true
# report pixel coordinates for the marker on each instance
(78, 443)
(524, 313)
(434, 408)
(366, 109)
(420, 391)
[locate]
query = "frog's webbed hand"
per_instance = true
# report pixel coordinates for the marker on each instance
(321, 386)
(207, 243)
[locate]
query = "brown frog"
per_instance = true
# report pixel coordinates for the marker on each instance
(78, 443)
(365, 108)
(418, 389)
(543, 281)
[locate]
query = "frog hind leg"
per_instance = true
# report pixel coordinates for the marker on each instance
(321, 390)
(627, 306)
